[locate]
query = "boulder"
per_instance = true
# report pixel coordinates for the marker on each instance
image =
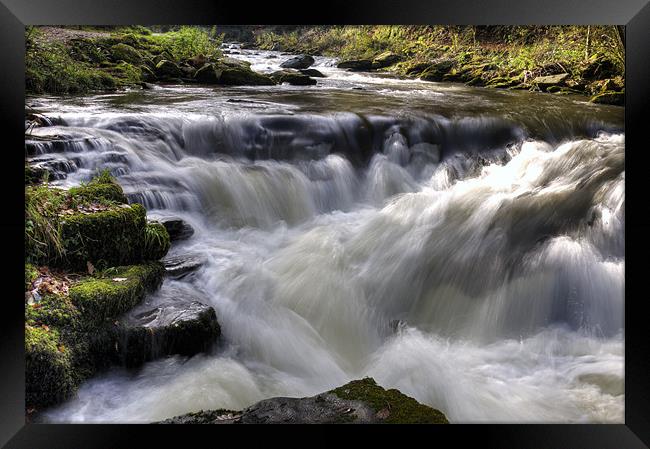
(292, 77)
(126, 53)
(613, 98)
(356, 65)
(312, 72)
(436, 71)
(298, 62)
(180, 266)
(243, 76)
(171, 321)
(544, 82)
(358, 402)
(386, 59)
(167, 69)
(208, 74)
(234, 62)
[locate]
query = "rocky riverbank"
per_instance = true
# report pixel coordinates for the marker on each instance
(559, 60)
(93, 294)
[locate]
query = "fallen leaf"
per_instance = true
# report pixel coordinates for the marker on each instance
(119, 279)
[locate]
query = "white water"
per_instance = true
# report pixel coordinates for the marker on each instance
(506, 274)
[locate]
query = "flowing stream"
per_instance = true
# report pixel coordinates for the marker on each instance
(463, 245)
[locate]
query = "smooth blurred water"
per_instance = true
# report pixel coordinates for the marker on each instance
(463, 245)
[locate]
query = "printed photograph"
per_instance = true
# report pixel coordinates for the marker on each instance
(233, 224)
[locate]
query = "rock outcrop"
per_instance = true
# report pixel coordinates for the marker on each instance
(358, 402)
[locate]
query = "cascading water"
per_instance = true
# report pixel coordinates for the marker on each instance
(470, 255)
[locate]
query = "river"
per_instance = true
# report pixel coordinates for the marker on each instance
(463, 245)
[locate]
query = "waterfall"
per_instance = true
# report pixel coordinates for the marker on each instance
(474, 262)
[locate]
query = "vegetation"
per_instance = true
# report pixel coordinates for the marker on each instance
(89, 224)
(106, 58)
(493, 56)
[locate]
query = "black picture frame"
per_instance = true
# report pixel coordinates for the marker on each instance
(635, 14)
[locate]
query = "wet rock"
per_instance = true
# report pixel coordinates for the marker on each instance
(312, 72)
(168, 70)
(356, 65)
(171, 321)
(177, 228)
(613, 98)
(358, 402)
(243, 76)
(208, 74)
(197, 61)
(292, 77)
(298, 62)
(180, 266)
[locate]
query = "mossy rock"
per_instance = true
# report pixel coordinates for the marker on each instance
(167, 69)
(242, 76)
(99, 192)
(612, 98)
(125, 52)
(49, 375)
(54, 310)
(208, 74)
(386, 59)
(436, 71)
(117, 291)
(109, 238)
(358, 402)
(396, 407)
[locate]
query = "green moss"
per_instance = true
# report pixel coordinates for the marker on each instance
(49, 375)
(31, 273)
(108, 193)
(53, 310)
(110, 237)
(401, 409)
(126, 53)
(156, 241)
(115, 292)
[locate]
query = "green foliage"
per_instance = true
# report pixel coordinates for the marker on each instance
(50, 68)
(188, 42)
(156, 241)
